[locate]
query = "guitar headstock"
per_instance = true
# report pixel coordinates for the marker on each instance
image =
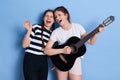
(108, 21)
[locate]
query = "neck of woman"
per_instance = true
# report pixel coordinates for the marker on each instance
(46, 27)
(67, 26)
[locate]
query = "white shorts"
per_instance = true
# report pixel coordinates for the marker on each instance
(76, 69)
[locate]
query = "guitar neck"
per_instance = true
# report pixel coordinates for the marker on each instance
(86, 38)
(106, 22)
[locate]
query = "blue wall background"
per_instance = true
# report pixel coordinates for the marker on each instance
(101, 61)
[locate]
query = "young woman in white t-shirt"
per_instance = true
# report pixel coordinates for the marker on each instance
(61, 35)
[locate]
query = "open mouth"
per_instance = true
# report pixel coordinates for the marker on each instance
(59, 21)
(48, 21)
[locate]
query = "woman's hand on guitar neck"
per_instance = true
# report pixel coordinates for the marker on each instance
(101, 28)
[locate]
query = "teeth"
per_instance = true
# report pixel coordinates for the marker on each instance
(60, 21)
(48, 21)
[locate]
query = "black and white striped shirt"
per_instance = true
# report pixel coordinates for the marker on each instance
(35, 46)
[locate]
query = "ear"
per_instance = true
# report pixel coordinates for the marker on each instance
(66, 15)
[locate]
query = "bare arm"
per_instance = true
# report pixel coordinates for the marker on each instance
(50, 51)
(26, 41)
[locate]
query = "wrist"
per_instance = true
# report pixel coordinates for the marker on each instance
(28, 32)
(61, 51)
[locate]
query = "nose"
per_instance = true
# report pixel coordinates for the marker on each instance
(48, 17)
(56, 18)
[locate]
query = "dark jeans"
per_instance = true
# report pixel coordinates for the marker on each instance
(35, 67)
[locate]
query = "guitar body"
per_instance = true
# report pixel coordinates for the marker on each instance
(70, 58)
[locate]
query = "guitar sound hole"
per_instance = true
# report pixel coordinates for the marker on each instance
(74, 49)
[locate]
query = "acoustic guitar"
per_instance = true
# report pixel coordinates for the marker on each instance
(64, 62)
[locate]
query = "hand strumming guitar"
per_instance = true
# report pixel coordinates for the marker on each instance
(67, 50)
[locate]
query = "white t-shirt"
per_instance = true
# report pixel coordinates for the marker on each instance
(62, 35)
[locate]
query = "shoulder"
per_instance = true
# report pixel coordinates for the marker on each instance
(77, 25)
(57, 29)
(36, 26)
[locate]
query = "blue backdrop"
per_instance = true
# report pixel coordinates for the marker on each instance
(101, 61)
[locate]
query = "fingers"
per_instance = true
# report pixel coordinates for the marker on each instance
(101, 29)
(27, 25)
(53, 68)
(67, 50)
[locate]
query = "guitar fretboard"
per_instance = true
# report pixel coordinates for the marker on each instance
(86, 38)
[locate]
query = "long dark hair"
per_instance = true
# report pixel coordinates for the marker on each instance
(64, 10)
(42, 24)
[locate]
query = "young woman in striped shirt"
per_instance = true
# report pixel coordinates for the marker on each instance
(35, 64)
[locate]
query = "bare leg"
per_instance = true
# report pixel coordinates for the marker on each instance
(75, 77)
(75, 73)
(62, 75)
